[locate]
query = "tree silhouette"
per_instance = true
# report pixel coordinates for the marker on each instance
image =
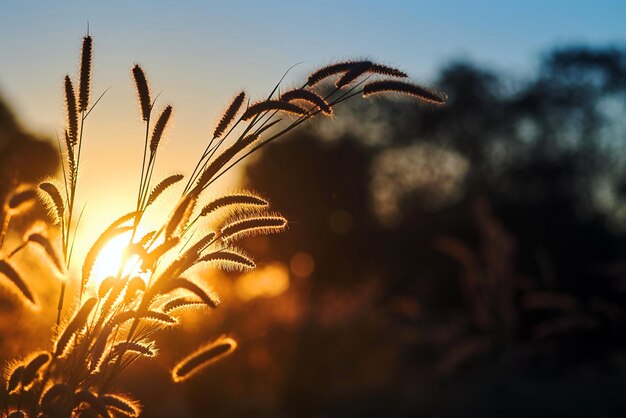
(23, 156)
(506, 238)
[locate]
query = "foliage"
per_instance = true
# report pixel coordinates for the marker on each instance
(114, 321)
(514, 275)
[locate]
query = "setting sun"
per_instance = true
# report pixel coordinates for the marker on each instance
(110, 259)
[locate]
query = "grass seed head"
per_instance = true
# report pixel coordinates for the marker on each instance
(37, 362)
(122, 403)
(85, 74)
(18, 201)
(329, 71)
(52, 192)
(72, 111)
(162, 186)
(353, 73)
(180, 302)
(229, 115)
(267, 105)
(202, 358)
(229, 260)
(159, 128)
(75, 325)
(9, 272)
(243, 225)
(143, 92)
(309, 97)
(14, 376)
(235, 199)
(413, 90)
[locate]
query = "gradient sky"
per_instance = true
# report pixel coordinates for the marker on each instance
(199, 53)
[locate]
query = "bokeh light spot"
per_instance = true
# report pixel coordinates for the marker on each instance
(301, 264)
(268, 281)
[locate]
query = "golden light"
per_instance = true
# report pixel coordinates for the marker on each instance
(267, 281)
(110, 259)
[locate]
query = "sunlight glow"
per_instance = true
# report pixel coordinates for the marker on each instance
(110, 260)
(269, 281)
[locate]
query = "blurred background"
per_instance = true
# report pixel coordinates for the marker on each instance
(464, 261)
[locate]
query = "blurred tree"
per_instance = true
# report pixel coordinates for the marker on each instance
(23, 156)
(491, 225)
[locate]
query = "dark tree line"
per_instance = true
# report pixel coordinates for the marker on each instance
(504, 259)
(23, 156)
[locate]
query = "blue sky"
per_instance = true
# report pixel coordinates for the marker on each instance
(210, 48)
(199, 53)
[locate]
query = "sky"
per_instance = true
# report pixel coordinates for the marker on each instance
(198, 54)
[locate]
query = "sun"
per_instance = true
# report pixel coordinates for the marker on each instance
(110, 259)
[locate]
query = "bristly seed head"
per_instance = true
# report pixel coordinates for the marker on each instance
(307, 96)
(229, 115)
(266, 105)
(329, 70)
(159, 128)
(180, 302)
(8, 271)
(44, 242)
(353, 73)
(180, 216)
(162, 186)
(55, 197)
(15, 377)
(85, 74)
(253, 225)
(221, 160)
(106, 285)
(122, 403)
(52, 393)
(413, 90)
(352, 70)
(17, 201)
(205, 356)
(72, 111)
(33, 366)
(170, 285)
(143, 92)
(76, 324)
(236, 199)
(229, 260)
(388, 71)
(87, 397)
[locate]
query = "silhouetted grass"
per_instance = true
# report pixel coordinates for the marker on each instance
(113, 322)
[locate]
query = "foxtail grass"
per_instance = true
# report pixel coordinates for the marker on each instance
(202, 358)
(113, 321)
